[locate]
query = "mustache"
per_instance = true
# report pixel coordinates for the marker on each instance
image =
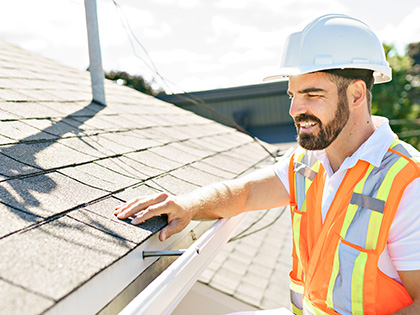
(306, 117)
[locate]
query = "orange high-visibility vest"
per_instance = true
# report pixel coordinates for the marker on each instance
(335, 263)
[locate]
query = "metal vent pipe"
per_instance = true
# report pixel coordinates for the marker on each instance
(95, 58)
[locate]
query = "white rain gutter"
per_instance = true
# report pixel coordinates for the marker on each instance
(166, 291)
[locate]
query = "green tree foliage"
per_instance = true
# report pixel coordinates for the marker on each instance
(134, 81)
(398, 100)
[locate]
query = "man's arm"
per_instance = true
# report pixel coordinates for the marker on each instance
(259, 190)
(411, 281)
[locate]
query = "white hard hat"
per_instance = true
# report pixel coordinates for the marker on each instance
(334, 41)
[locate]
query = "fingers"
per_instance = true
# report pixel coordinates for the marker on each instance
(149, 213)
(137, 205)
(172, 228)
(145, 208)
(119, 209)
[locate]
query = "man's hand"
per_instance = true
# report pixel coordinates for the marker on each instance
(144, 208)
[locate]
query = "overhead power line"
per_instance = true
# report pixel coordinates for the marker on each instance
(191, 98)
(243, 233)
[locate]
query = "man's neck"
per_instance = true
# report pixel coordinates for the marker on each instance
(348, 141)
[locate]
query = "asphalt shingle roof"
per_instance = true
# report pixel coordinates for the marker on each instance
(66, 162)
(254, 268)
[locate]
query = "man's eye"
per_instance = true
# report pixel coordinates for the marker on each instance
(313, 95)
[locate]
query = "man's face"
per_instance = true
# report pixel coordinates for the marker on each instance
(319, 112)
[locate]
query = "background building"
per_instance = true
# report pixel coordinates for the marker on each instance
(261, 109)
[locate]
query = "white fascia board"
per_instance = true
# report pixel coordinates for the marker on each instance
(167, 290)
(93, 295)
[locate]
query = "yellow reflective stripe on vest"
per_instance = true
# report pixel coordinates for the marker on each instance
(299, 183)
(384, 189)
(383, 192)
(296, 217)
(296, 310)
(373, 230)
(397, 146)
(296, 233)
(296, 297)
(335, 270)
(357, 284)
(296, 287)
(309, 309)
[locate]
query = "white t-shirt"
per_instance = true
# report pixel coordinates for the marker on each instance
(403, 247)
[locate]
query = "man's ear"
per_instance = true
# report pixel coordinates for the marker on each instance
(357, 93)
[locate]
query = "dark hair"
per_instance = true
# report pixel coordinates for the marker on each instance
(344, 77)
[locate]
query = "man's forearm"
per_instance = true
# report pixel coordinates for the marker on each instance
(256, 191)
(220, 200)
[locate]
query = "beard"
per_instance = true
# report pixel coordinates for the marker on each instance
(328, 133)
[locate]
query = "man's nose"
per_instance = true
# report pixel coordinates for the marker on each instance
(297, 107)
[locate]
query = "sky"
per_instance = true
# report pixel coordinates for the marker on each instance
(194, 44)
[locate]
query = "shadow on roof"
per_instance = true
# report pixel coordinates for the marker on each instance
(36, 179)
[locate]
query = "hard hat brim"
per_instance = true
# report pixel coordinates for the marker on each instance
(381, 73)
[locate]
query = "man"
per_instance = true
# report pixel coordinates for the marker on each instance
(352, 186)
